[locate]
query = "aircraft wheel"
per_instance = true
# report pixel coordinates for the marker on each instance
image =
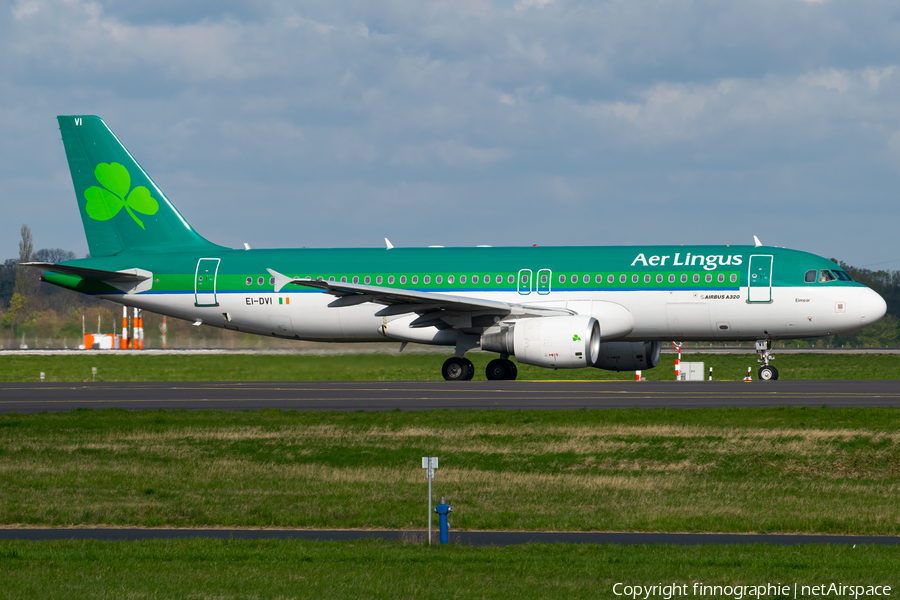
(470, 369)
(498, 370)
(768, 373)
(457, 369)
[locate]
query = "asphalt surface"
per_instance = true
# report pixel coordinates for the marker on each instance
(425, 395)
(473, 538)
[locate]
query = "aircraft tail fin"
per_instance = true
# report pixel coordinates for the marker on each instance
(121, 207)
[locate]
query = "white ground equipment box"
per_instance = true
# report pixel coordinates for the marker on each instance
(693, 371)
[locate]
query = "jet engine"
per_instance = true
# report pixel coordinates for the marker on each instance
(564, 342)
(628, 356)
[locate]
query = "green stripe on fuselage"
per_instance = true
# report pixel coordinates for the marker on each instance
(174, 272)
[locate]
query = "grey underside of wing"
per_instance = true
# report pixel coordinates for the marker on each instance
(432, 306)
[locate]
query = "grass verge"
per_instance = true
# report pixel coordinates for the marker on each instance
(827, 470)
(378, 569)
(129, 366)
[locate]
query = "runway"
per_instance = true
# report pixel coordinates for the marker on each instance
(473, 538)
(427, 395)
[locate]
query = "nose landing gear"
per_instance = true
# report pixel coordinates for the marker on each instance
(766, 372)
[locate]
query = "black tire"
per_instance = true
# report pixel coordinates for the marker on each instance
(513, 370)
(470, 368)
(498, 370)
(457, 369)
(767, 373)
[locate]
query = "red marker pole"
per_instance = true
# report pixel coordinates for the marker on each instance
(123, 344)
(677, 347)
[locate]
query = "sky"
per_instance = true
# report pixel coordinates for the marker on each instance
(464, 122)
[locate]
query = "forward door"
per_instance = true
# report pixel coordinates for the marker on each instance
(759, 282)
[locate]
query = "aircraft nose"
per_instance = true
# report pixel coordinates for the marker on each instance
(871, 307)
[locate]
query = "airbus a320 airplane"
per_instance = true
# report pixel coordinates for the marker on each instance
(607, 307)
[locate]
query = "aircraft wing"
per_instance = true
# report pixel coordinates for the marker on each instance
(432, 306)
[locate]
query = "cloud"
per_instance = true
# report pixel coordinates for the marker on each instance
(586, 113)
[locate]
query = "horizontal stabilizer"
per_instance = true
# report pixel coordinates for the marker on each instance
(128, 280)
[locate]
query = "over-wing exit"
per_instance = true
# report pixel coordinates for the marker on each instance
(605, 307)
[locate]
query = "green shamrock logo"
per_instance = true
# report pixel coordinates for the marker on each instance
(575, 338)
(103, 203)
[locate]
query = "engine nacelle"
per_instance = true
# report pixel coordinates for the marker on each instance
(628, 356)
(565, 342)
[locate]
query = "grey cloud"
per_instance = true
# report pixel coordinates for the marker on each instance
(560, 122)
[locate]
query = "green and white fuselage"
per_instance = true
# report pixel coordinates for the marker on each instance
(563, 301)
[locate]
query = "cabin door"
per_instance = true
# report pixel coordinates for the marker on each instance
(759, 281)
(205, 282)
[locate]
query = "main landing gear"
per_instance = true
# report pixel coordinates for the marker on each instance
(458, 369)
(766, 372)
(462, 369)
(501, 369)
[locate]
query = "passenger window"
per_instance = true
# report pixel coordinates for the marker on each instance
(659, 279)
(647, 278)
(825, 276)
(378, 279)
(586, 279)
(611, 279)
(598, 279)
(499, 279)
(574, 278)
(462, 278)
(623, 278)
(671, 279)
(634, 279)
(449, 279)
(733, 278)
(260, 281)
(683, 278)
(474, 279)
(319, 278)
(402, 279)
(249, 281)
(329, 279)
(721, 277)
(696, 278)
(368, 280)
(562, 278)
(415, 279)
(355, 279)
(427, 279)
(708, 278)
(511, 279)
(390, 279)
(810, 276)
(543, 278)
(439, 279)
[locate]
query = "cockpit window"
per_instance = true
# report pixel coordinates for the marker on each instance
(810, 276)
(842, 275)
(826, 276)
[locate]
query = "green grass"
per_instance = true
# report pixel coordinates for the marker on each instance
(128, 366)
(834, 470)
(378, 569)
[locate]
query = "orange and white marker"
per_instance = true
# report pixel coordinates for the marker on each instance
(162, 330)
(677, 347)
(637, 375)
(124, 339)
(748, 378)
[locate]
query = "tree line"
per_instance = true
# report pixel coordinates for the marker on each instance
(48, 315)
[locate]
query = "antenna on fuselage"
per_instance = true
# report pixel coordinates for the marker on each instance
(756, 241)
